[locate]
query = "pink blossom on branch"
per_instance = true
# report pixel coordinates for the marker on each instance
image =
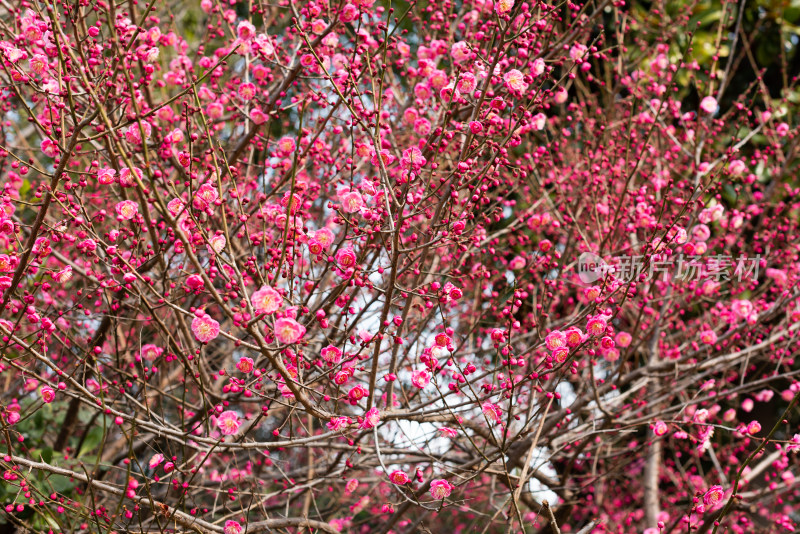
(228, 423)
(205, 328)
(288, 331)
(371, 419)
(440, 489)
(266, 300)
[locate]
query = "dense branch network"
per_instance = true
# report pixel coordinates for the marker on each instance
(390, 267)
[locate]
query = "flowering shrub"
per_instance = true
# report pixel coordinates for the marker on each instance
(366, 266)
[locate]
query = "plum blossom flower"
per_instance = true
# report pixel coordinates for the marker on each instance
(175, 206)
(205, 195)
(38, 63)
(346, 258)
(438, 79)
(357, 393)
(134, 134)
(709, 337)
(332, 355)
(700, 416)
(577, 51)
(266, 300)
(704, 438)
(126, 210)
(228, 423)
(156, 460)
(258, 116)
(742, 308)
(338, 423)
(286, 146)
(106, 176)
(660, 428)
(245, 30)
(701, 232)
(573, 336)
(371, 419)
(205, 328)
(443, 340)
(440, 489)
(611, 355)
(351, 485)
(232, 527)
(64, 275)
(262, 43)
(623, 339)
(709, 105)
(596, 326)
(325, 237)
(288, 331)
(385, 155)
(501, 7)
(352, 202)
(460, 51)
(779, 276)
(245, 365)
(562, 353)
(492, 411)
(515, 81)
(498, 335)
(713, 496)
(195, 282)
(174, 137)
(341, 377)
(753, 428)
(555, 339)
(452, 292)
(49, 148)
(765, 395)
(412, 159)
(794, 444)
(349, 13)
(216, 243)
(422, 126)
(517, 263)
(128, 177)
(466, 83)
(247, 91)
(449, 432)
(150, 352)
(399, 478)
(737, 167)
(420, 378)
(538, 67)
(215, 110)
(48, 394)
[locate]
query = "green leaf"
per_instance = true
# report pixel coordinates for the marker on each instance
(60, 484)
(24, 188)
(728, 193)
(93, 439)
